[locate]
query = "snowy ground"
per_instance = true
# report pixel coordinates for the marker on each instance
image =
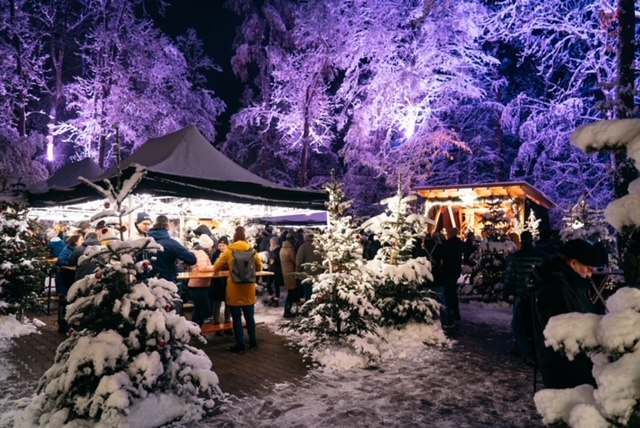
(460, 386)
(472, 383)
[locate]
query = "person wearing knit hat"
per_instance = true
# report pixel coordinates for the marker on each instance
(141, 226)
(561, 286)
(199, 287)
(164, 262)
(205, 242)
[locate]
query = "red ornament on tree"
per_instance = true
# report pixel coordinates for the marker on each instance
(123, 228)
(162, 343)
(98, 275)
(168, 308)
(107, 205)
(104, 230)
(146, 266)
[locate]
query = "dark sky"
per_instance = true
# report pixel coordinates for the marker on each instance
(216, 26)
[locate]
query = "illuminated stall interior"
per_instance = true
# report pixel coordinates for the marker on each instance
(463, 205)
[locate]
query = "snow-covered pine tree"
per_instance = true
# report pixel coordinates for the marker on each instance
(532, 225)
(127, 361)
(487, 275)
(610, 339)
(22, 253)
(583, 222)
(399, 275)
(340, 311)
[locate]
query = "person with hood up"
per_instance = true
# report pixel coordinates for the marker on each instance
(199, 287)
(241, 298)
(561, 285)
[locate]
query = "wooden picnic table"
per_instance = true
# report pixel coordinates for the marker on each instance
(211, 274)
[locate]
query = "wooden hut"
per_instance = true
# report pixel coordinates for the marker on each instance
(463, 205)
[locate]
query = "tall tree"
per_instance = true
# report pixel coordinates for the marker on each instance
(570, 46)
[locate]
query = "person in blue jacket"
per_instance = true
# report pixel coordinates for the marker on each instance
(164, 262)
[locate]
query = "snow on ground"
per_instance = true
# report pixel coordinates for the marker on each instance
(436, 387)
(13, 387)
(417, 385)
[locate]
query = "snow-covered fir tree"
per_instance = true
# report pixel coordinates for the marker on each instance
(23, 249)
(340, 311)
(22, 260)
(583, 222)
(487, 275)
(127, 360)
(354, 301)
(400, 275)
(611, 339)
(532, 225)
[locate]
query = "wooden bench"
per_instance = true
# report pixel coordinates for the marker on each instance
(213, 328)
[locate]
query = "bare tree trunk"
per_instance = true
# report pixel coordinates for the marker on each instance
(625, 170)
(306, 135)
(21, 113)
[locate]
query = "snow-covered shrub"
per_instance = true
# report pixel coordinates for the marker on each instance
(612, 341)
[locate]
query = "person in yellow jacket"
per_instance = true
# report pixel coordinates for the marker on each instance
(241, 298)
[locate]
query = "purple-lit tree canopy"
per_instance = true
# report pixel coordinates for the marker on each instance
(76, 69)
(386, 92)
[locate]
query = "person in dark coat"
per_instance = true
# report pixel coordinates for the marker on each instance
(218, 288)
(276, 281)
(520, 264)
(88, 267)
(449, 267)
(164, 262)
(470, 247)
(561, 287)
(307, 264)
(65, 277)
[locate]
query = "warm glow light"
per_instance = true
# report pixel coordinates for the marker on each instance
(408, 123)
(49, 148)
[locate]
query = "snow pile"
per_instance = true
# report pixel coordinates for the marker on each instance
(612, 341)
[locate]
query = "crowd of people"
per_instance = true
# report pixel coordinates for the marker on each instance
(543, 279)
(286, 255)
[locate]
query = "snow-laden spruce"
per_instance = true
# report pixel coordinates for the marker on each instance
(22, 260)
(611, 340)
(355, 304)
(127, 361)
(128, 352)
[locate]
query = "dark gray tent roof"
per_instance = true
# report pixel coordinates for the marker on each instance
(185, 164)
(316, 218)
(67, 176)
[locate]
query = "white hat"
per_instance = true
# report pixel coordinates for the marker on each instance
(205, 241)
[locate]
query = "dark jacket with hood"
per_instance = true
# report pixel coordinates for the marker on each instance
(559, 290)
(164, 262)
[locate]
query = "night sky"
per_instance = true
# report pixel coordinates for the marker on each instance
(216, 27)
